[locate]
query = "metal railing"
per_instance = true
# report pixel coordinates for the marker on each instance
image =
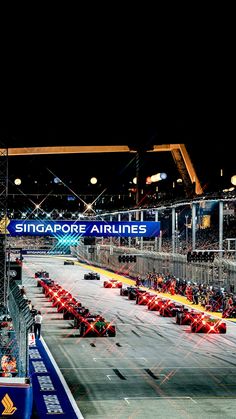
(22, 321)
(221, 271)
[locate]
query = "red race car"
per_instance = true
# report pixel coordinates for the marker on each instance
(112, 283)
(208, 325)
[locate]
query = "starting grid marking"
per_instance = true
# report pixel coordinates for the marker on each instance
(126, 399)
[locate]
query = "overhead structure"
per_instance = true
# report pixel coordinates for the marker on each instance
(3, 221)
(178, 151)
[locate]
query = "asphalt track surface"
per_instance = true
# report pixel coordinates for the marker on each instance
(153, 368)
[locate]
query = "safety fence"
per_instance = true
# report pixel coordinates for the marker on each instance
(221, 271)
(22, 321)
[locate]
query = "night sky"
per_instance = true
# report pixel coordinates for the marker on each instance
(209, 141)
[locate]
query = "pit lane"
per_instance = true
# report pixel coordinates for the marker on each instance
(152, 368)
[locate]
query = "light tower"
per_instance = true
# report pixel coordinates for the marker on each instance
(3, 224)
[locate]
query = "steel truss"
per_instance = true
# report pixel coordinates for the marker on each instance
(3, 223)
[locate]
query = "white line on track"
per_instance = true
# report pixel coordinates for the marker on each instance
(159, 398)
(132, 359)
(131, 375)
(63, 381)
(151, 366)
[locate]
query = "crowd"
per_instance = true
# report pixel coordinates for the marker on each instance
(213, 298)
(28, 242)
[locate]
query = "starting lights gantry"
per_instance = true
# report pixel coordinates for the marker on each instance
(178, 151)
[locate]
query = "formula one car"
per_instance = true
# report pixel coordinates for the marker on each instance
(112, 283)
(41, 274)
(125, 291)
(69, 262)
(186, 316)
(92, 275)
(45, 281)
(96, 327)
(142, 298)
(208, 324)
(80, 314)
(155, 303)
(71, 310)
(133, 292)
(169, 308)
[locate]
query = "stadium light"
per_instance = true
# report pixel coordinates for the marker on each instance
(93, 180)
(17, 181)
(158, 177)
(233, 180)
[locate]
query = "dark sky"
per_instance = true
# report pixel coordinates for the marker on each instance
(209, 140)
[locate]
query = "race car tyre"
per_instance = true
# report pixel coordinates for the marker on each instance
(112, 333)
(179, 319)
(193, 328)
(67, 316)
(81, 330)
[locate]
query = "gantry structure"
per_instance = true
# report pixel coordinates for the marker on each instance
(178, 151)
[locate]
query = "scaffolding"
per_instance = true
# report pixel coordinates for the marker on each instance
(3, 210)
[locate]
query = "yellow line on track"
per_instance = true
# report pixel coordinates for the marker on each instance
(123, 279)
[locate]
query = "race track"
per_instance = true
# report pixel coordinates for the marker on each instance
(153, 368)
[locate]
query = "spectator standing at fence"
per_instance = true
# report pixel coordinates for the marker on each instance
(37, 324)
(23, 292)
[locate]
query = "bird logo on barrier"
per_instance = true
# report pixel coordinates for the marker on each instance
(4, 222)
(9, 408)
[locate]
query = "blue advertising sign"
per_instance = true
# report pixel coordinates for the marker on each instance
(51, 394)
(84, 228)
(16, 397)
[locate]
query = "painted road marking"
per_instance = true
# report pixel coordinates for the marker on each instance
(63, 381)
(159, 398)
(117, 359)
(141, 368)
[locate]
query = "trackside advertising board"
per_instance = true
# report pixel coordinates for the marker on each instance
(52, 399)
(83, 228)
(16, 398)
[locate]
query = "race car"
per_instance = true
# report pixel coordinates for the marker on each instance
(208, 324)
(186, 316)
(45, 281)
(80, 314)
(41, 274)
(70, 310)
(142, 298)
(132, 293)
(155, 303)
(96, 327)
(112, 283)
(92, 275)
(169, 308)
(69, 262)
(125, 291)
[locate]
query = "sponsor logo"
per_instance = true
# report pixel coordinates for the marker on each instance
(52, 404)
(86, 228)
(4, 222)
(12, 273)
(9, 408)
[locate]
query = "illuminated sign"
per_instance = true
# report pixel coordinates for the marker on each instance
(83, 228)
